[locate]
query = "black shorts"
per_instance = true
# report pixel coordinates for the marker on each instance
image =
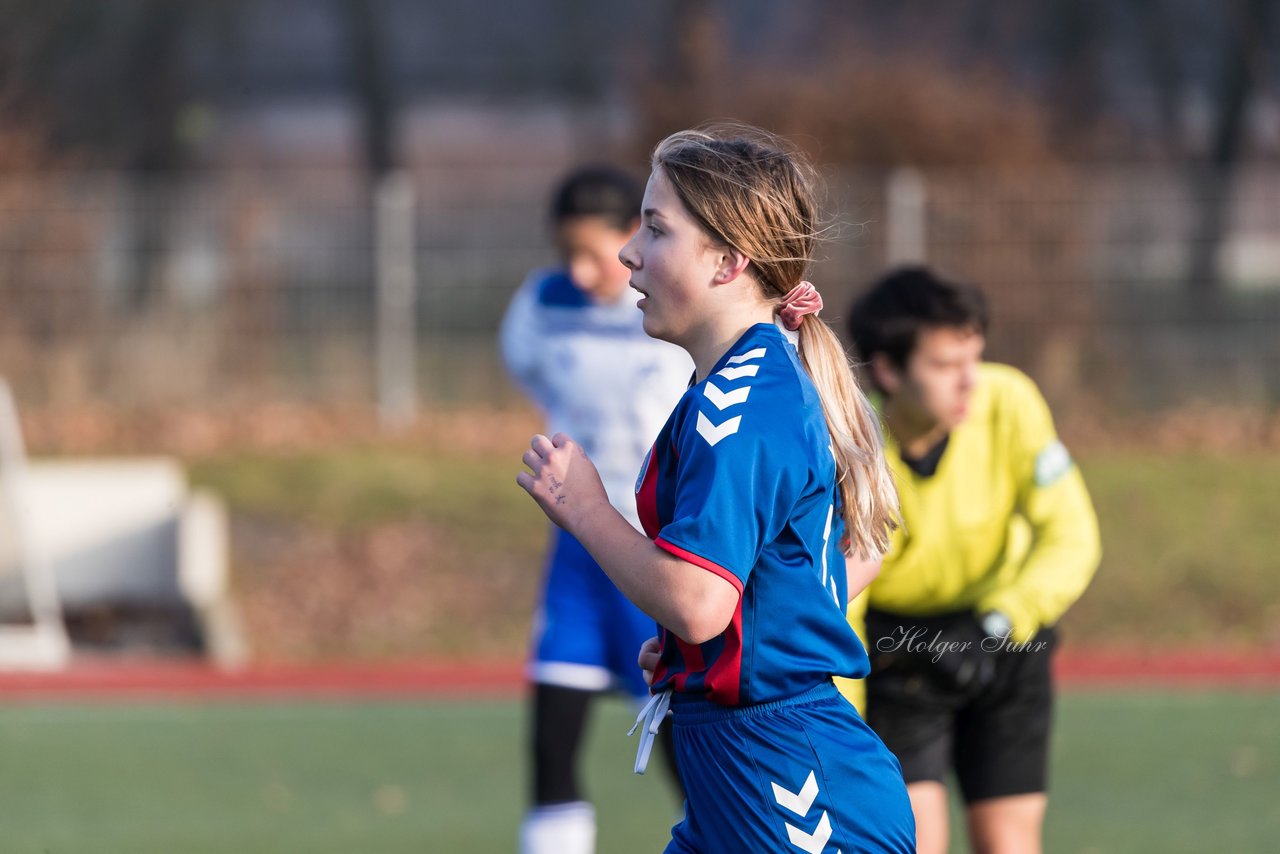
(995, 735)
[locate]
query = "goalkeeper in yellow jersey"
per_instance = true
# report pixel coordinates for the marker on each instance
(999, 538)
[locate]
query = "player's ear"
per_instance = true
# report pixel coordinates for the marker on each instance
(731, 264)
(887, 375)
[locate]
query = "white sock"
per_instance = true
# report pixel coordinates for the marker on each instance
(559, 829)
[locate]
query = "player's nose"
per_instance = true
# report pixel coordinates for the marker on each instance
(628, 255)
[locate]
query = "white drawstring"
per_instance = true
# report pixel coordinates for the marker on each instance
(652, 716)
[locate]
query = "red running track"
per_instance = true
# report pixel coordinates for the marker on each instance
(134, 680)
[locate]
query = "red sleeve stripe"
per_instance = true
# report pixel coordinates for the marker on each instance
(700, 561)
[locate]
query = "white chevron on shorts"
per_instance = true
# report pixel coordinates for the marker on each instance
(811, 842)
(738, 373)
(713, 433)
(800, 803)
(723, 399)
(747, 356)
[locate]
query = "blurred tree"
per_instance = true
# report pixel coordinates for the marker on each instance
(151, 76)
(369, 61)
(687, 64)
(105, 85)
(369, 57)
(975, 82)
(1241, 66)
(1241, 35)
(1158, 44)
(1076, 88)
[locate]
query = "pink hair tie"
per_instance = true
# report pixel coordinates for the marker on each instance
(801, 300)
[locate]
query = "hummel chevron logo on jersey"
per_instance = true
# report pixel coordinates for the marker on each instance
(747, 356)
(800, 803)
(722, 399)
(738, 373)
(713, 433)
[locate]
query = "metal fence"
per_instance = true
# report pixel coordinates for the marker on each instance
(227, 288)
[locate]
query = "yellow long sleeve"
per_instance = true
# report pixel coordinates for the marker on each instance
(1005, 523)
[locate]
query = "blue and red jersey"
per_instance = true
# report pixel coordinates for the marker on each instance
(742, 482)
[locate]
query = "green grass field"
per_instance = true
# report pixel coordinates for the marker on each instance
(1133, 772)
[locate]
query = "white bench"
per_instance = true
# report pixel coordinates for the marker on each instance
(97, 534)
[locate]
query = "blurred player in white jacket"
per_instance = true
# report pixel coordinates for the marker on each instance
(572, 339)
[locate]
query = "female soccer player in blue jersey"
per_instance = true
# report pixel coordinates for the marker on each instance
(573, 339)
(769, 471)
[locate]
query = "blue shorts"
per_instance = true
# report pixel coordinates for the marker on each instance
(586, 634)
(803, 775)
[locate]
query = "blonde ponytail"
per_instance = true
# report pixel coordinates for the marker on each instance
(868, 499)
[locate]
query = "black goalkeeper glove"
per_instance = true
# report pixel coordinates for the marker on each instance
(964, 656)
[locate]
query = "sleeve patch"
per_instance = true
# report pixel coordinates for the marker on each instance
(1052, 463)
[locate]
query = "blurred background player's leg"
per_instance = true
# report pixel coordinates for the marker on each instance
(1002, 753)
(570, 667)
(929, 803)
(560, 820)
(559, 829)
(1010, 825)
(559, 721)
